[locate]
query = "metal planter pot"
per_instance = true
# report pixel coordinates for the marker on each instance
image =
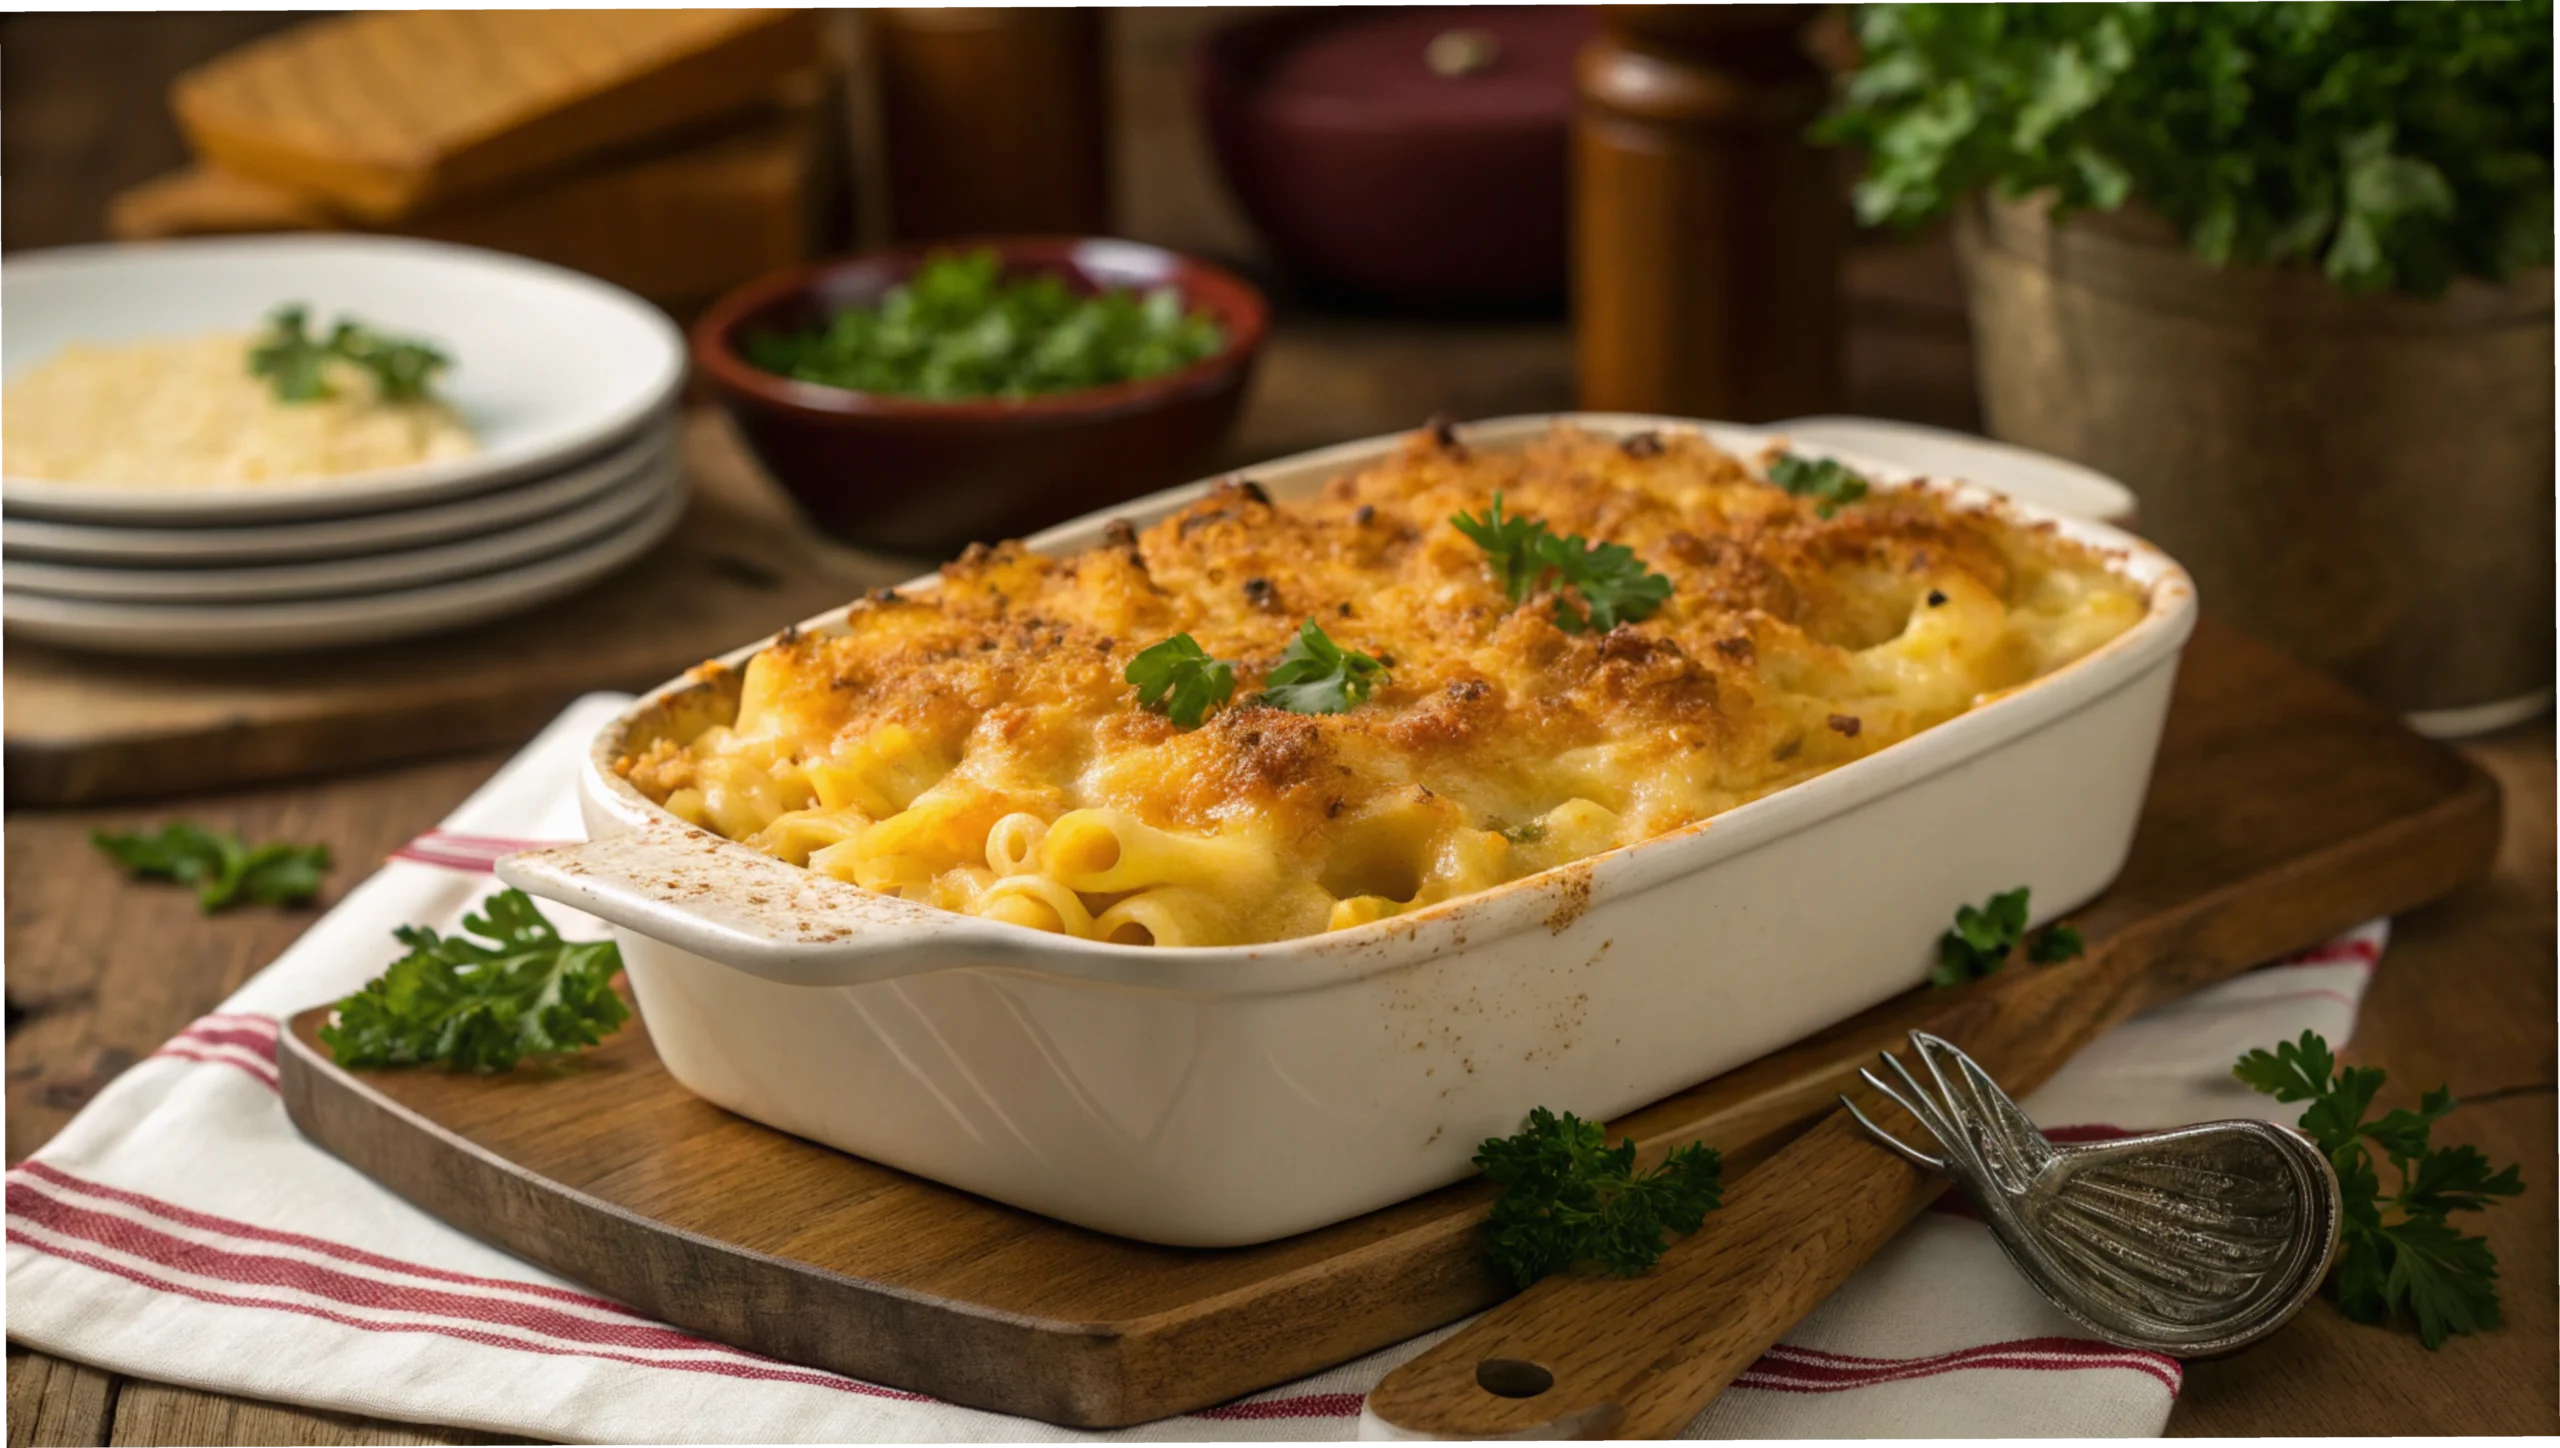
(2365, 482)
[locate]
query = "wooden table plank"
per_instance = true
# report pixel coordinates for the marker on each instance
(152, 1413)
(53, 1401)
(89, 111)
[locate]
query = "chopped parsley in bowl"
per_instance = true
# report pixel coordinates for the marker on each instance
(914, 399)
(959, 329)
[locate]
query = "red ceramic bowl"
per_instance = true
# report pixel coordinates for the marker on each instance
(910, 475)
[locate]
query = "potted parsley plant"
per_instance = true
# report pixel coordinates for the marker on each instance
(2283, 268)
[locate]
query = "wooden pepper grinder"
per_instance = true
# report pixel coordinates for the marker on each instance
(994, 120)
(1707, 232)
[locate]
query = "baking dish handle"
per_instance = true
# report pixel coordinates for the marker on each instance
(750, 911)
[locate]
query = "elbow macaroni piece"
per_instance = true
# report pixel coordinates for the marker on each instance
(977, 749)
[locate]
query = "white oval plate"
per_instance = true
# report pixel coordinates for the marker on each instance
(356, 577)
(329, 538)
(548, 364)
(166, 629)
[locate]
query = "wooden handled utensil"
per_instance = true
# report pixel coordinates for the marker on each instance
(1582, 1355)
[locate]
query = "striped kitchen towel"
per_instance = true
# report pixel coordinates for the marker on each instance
(180, 1229)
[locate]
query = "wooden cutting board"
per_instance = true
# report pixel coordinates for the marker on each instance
(2282, 809)
(677, 223)
(388, 113)
(82, 728)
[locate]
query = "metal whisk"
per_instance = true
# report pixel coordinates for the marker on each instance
(2190, 1242)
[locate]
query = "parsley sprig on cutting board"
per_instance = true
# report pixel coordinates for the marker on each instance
(1569, 1197)
(1985, 936)
(2400, 1254)
(482, 1006)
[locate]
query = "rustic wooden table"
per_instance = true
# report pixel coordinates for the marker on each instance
(100, 974)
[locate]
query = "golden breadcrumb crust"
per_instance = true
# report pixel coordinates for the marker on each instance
(1792, 643)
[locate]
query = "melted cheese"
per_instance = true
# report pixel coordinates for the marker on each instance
(977, 747)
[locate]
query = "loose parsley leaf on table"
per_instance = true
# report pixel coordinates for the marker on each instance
(1315, 675)
(1984, 938)
(2399, 1254)
(1614, 586)
(224, 869)
(1830, 485)
(293, 361)
(1569, 1197)
(1178, 679)
(482, 1007)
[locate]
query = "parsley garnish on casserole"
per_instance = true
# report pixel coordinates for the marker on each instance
(1641, 638)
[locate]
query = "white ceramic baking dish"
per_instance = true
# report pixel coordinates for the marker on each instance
(1214, 1097)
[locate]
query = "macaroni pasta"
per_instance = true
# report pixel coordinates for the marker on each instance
(976, 747)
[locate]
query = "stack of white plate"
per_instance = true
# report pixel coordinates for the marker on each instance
(569, 385)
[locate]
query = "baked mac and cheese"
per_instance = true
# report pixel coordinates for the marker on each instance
(980, 748)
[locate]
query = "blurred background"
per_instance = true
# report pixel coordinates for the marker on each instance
(2273, 281)
(2249, 264)
(1085, 121)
